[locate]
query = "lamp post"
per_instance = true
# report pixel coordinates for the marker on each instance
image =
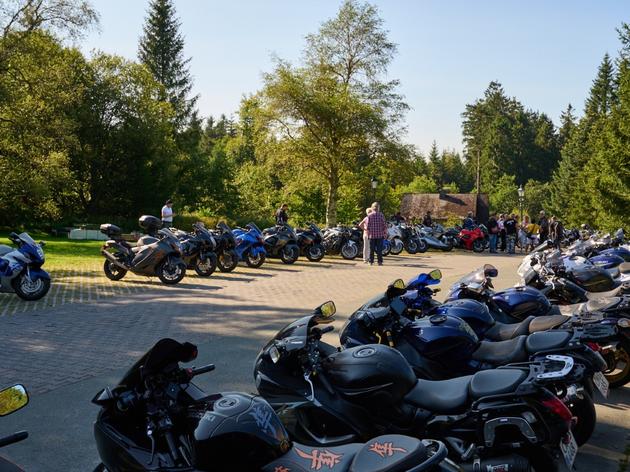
(521, 200)
(374, 183)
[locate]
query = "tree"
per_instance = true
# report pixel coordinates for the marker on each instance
(161, 49)
(568, 122)
(336, 112)
(435, 165)
(603, 94)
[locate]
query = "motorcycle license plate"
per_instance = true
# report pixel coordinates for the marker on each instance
(569, 449)
(601, 383)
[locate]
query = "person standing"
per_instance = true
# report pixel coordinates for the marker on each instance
(493, 232)
(544, 227)
(398, 218)
(501, 224)
(469, 221)
(366, 239)
(427, 220)
(377, 231)
(523, 236)
(511, 227)
(167, 214)
(282, 217)
(556, 232)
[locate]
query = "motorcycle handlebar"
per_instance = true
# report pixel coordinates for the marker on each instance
(12, 439)
(201, 370)
(327, 329)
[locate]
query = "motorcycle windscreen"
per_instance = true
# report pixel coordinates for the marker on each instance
(420, 281)
(475, 277)
(294, 335)
(27, 239)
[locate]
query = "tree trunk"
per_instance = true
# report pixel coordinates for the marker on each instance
(331, 202)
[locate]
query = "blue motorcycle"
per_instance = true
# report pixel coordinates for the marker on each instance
(21, 269)
(250, 245)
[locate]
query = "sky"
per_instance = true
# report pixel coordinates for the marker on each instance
(545, 53)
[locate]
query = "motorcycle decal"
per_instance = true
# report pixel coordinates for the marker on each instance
(281, 468)
(499, 468)
(319, 459)
(385, 449)
(263, 417)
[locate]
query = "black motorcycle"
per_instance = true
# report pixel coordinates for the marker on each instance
(198, 250)
(11, 400)
(156, 419)
(327, 397)
(342, 240)
(281, 241)
(310, 241)
(227, 258)
(157, 254)
(410, 239)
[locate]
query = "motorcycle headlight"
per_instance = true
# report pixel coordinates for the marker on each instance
(623, 323)
(40, 253)
(274, 354)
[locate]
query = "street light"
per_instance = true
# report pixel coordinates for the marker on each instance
(374, 183)
(521, 200)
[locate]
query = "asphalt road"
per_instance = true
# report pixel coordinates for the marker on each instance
(64, 355)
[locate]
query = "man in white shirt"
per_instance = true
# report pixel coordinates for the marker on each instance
(167, 214)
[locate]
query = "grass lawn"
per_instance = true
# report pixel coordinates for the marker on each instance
(64, 253)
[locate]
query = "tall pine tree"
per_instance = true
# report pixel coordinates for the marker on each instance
(567, 125)
(161, 49)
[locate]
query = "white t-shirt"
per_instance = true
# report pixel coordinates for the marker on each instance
(167, 214)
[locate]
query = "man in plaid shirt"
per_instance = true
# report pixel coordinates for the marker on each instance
(377, 231)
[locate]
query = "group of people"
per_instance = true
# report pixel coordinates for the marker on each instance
(505, 230)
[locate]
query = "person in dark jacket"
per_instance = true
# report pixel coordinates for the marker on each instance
(282, 217)
(469, 221)
(427, 220)
(544, 227)
(398, 218)
(556, 232)
(511, 230)
(493, 232)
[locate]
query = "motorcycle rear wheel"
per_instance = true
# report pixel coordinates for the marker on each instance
(584, 410)
(315, 252)
(171, 274)
(207, 267)
(30, 290)
(412, 246)
(619, 375)
(289, 254)
(112, 271)
(449, 245)
(422, 245)
(349, 251)
(478, 245)
(254, 261)
(227, 261)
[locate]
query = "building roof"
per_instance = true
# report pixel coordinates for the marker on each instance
(415, 205)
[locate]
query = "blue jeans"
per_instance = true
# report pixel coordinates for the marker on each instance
(376, 245)
(511, 241)
(493, 242)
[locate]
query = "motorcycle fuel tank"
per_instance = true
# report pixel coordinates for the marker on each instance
(592, 279)
(521, 302)
(475, 313)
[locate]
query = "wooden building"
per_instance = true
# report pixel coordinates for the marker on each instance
(445, 205)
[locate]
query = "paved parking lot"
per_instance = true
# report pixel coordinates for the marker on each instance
(66, 353)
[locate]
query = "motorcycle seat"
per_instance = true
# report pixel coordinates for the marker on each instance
(501, 352)
(503, 331)
(601, 304)
(301, 458)
(615, 292)
(624, 267)
(4, 249)
(548, 340)
(440, 396)
(389, 453)
(544, 323)
(495, 382)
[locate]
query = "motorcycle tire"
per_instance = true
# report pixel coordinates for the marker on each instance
(315, 252)
(422, 246)
(387, 248)
(206, 268)
(349, 251)
(289, 254)
(540, 459)
(255, 262)
(170, 274)
(618, 377)
(227, 261)
(584, 410)
(449, 245)
(478, 246)
(30, 290)
(412, 246)
(396, 246)
(112, 271)
(100, 468)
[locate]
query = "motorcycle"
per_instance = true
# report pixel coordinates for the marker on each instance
(411, 241)
(395, 238)
(281, 241)
(338, 240)
(310, 241)
(473, 239)
(227, 258)
(150, 257)
(327, 397)
(425, 233)
(250, 245)
(12, 399)
(21, 269)
(157, 419)
(198, 250)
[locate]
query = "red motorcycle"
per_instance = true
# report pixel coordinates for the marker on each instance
(474, 239)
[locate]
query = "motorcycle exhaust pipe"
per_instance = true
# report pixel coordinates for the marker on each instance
(513, 463)
(113, 260)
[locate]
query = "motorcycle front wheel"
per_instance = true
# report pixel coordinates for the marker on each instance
(227, 261)
(387, 248)
(449, 245)
(112, 271)
(206, 267)
(422, 245)
(289, 254)
(349, 251)
(478, 245)
(412, 246)
(171, 274)
(396, 246)
(315, 252)
(28, 289)
(255, 261)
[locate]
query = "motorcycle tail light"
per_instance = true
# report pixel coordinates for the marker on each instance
(594, 346)
(555, 406)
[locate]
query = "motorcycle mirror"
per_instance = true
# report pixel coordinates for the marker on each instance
(490, 271)
(13, 399)
(327, 309)
(436, 274)
(398, 283)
